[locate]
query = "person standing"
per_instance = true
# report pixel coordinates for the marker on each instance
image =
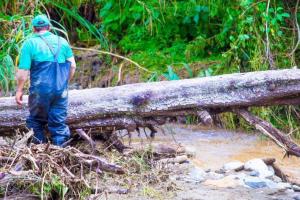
(50, 61)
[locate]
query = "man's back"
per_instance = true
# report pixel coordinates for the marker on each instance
(36, 48)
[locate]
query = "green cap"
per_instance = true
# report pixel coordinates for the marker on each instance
(40, 21)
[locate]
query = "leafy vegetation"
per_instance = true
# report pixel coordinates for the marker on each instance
(174, 39)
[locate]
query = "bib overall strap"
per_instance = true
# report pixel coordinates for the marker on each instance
(51, 48)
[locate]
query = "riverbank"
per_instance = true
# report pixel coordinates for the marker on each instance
(181, 162)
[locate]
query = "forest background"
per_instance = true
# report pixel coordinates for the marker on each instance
(167, 39)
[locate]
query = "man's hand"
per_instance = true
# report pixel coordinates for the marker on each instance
(21, 77)
(19, 98)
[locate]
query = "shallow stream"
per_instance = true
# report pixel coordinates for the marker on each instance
(212, 148)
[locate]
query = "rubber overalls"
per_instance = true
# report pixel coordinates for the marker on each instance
(48, 98)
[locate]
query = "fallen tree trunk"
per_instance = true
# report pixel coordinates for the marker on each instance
(283, 140)
(147, 104)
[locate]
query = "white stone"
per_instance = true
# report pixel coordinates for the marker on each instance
(240, 175)
(283, 186)
(197, 174)
(272, 184)
(296, 188)
(278, 186)
(254, 173)
(214, 176)
(254, 182)
(233, 165)
(296, 197)
(259, 166)
(271, 169)
(276, 179)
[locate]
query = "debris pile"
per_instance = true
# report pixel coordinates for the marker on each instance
(49, 171)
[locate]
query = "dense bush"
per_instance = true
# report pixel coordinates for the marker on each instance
(203, 37)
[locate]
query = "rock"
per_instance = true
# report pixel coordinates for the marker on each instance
(296, 188)
(255, 182)
(191, 153)
(289, 191)
(177, 159)
(197, 174)
(167, 149)
(259, 166)
(258, 182)
(220, 171)
(278, 186)
(276, 179)
(271, 169)
(272, 184)
(236, 166)
(254, 173)
(230, 181)
(296, 197)
(214, 175)
(241, 176)
(283, 186)
(256, 185)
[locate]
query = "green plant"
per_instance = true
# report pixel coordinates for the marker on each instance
(167, 37)
(171, 75)
(55, 187)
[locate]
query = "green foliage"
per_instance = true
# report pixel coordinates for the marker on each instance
(7, 71)
(197, 37)
(171, 75)
(247, 41)
(56, 186)
(157, 34)
(72, 14)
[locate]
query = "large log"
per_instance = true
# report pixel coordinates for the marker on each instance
(147, 104)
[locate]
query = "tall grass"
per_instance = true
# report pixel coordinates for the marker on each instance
(73, 14)
(14, 31)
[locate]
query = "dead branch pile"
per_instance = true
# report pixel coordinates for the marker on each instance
(51, 172)
(45, 164)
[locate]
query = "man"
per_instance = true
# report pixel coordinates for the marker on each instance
(51, 64)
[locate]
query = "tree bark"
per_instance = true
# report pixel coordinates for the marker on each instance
(148, 104)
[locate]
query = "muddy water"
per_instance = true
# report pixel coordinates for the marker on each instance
(211, 150)
(214, 148)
